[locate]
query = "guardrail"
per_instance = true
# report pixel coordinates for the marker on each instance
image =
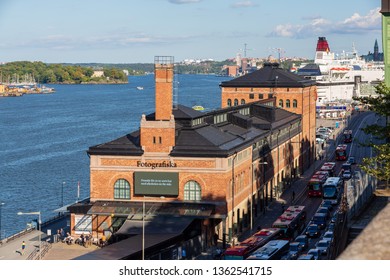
(45, 247)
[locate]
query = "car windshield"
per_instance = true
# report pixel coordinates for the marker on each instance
(313, 227)
(322, 243)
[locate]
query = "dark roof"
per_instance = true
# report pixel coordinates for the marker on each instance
(125, 145)
(206, 138)
(310, 69)
(270, 76)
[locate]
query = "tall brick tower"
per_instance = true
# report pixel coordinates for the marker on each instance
(158, 135)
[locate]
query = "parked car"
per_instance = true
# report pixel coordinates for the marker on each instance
(327, 204)
(312, 230)
(334, 217)
(346, 166)
(320, 220)
(320, 140)
(331, 227)
(347, 175)
(351, 160)
(303, 241)
(322, 136)
(306, 257)
(324, 130)
(328, 235)
(295, 249)
(323, 246)
(324, 210)
(315, 252)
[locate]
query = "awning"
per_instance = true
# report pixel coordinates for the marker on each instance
(126, 209)
(156, 225)
(127, 247)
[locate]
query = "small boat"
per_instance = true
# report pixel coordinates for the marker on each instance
(198, 108)
(140, 88)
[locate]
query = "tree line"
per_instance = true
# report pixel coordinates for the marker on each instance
(39, 72)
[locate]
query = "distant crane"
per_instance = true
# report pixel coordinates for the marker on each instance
(246, 49)
(280, 51)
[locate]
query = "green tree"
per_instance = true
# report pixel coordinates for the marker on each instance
(379, 165)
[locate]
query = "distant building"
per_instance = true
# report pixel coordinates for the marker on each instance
(375, 56)
(98, 74)
(293, 93)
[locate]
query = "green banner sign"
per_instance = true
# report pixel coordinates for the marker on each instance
(156, 183)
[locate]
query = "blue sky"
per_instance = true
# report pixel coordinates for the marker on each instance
(128, 31)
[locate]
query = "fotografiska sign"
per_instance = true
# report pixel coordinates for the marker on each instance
(154, 165)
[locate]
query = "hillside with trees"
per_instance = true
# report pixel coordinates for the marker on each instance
(39, 72)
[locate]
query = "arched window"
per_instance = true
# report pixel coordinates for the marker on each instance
(121, 189)
(235, 102)
(295, 103)
(281, 103)
(192, 191)
(288, 103)
(229, 103)
(242, 101)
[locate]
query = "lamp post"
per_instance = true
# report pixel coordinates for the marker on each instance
(62, 194)
(1, 206)
(233, 183)
(39, 228)
(143, 229)
(143, 225)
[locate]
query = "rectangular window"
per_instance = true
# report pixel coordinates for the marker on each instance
(261, 96)
(270, 95)
(154, 140)
(160, 139)
(251, 96)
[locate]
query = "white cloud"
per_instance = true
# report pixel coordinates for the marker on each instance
(109, 41)
(184, 1)
(352, 25)
(244, 4)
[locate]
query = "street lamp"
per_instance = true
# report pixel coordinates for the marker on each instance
(1, 206)
(62, 194)
(233, 184)
(143, 225)
(39, 228)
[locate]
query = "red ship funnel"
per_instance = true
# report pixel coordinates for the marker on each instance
(322, 45)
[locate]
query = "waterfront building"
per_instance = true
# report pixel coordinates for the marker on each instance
(185, 177)
(292, 93)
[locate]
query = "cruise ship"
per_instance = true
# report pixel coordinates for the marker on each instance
(341, 77)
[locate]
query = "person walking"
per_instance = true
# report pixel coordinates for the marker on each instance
(293, 197)
(283, 206)
(23, 247)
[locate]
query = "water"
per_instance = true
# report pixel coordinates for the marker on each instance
(44, 138)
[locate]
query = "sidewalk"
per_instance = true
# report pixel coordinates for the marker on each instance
(13, 250)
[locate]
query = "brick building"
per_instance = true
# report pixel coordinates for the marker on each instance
(190, 174)
(292, 92)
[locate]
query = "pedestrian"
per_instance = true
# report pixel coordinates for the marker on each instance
(23, 247)
(293, 196)
(283, 208)
(183, 254)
